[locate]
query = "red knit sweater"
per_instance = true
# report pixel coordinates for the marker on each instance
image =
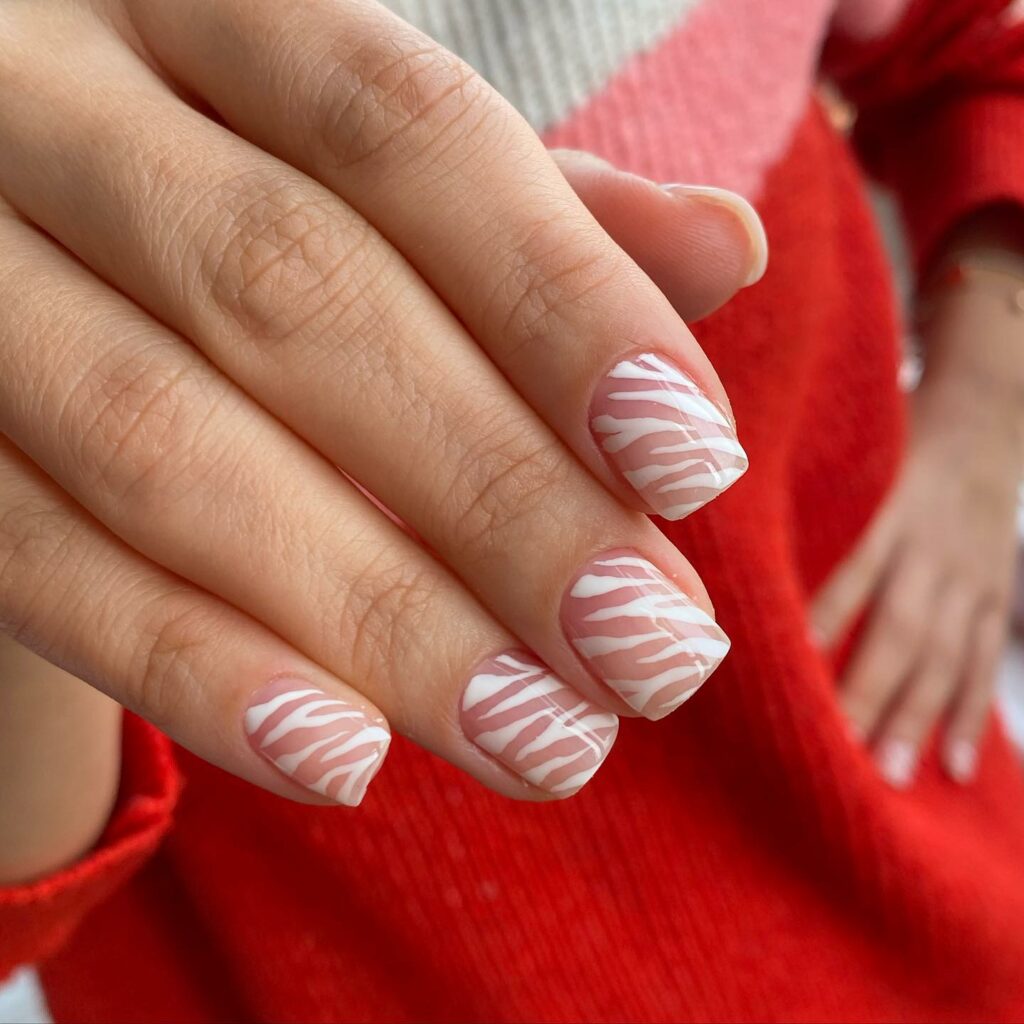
(741, 860)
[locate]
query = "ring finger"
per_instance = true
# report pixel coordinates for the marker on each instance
(193, 474)
(303, 304)
(179, 657)
(402, 129)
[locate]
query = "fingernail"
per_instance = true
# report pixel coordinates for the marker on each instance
(961, 761)
(640, 634)
(897, 761)
(521, 713)
(674, 445)
(743, 212)
(327, 745)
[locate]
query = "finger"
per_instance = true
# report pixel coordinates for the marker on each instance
(201, 671)
(190, 472)
(401, 130)
(698, 245)
(60, 742)
(890, 645)
(970, 714)
(929, 689)
(843, 595)
(300, 302)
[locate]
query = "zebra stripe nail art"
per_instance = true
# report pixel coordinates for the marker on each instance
(327, 745)
(640, 633)
(516, 709)
(668, 439)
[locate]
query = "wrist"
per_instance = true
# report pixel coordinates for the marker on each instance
(983, 418)
(971, 327)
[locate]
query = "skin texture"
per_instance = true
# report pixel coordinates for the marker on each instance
(59, 759)
(934, 571)
(204, 315)
(180, 469)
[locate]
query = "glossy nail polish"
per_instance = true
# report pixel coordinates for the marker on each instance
(517, 710)
(640, 634)
(675, 446)
(897, 761)
(961, 761)
(327, 745)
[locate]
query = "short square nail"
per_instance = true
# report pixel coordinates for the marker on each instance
(673, 444)
(522, 714)
(640, 634)
(961, 761)
(897, 761)
(327, 745)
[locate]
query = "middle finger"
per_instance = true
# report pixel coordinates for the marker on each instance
(179, 463)
(301, 302)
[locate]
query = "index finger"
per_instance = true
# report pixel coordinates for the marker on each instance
(432, 156)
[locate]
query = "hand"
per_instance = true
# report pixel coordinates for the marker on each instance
(374, 266)
(937, 562)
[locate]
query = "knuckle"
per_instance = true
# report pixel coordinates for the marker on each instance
(500, 483)
(279, 263)
(36, 548)
(394, 95)
(553, 273)
(161, 679)
(385, 613)
(134, 419)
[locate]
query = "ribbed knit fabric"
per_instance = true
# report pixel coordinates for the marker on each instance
(740, 860)
(547, 58)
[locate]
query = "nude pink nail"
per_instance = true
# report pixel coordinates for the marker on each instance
(961, 761)
(673, 444)
(897, 761)
(640, 634)
(327, 745)
(521, 713)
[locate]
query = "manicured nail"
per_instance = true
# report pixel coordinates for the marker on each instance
(743, 212)
(516, 709)
(640, 634)
(961, 761)
(325, 744)
(667, 438)
(897, 761)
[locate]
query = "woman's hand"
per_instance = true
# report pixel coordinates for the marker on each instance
(244, 242)
(937, 563)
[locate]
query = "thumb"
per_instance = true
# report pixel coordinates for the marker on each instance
(699, 245)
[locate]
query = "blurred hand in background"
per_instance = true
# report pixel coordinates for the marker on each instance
(935, 568)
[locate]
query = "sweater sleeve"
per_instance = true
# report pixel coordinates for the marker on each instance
(36, 918)
(939, 94)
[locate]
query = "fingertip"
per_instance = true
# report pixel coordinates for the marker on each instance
(699, 245)
(743, 212)
(897, 762)
(961, 761)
